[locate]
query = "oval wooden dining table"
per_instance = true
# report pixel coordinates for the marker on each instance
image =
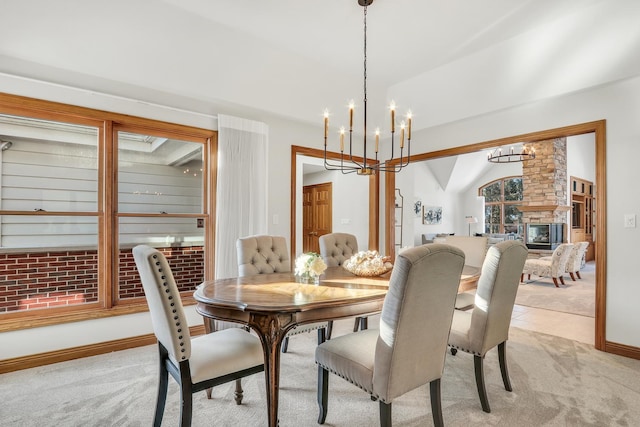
(273, 304)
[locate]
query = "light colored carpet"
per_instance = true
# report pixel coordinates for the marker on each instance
(575, 297)
(556, 382)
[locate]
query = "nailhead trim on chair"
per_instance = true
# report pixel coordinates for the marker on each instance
(172, 304)
(351, 381)
(465, 350)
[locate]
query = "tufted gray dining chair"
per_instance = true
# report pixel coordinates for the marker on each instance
(195, 363)
(486, 326)
(262, 254)
(409, 348)
(335, 249)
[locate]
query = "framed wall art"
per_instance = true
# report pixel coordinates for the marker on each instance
(431, 215)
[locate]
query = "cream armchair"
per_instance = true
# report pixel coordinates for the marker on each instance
(402, 354)
(486, 326)
(553, 268)
(575, 262)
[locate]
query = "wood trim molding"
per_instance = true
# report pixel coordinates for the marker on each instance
(622, 350)
(540, 208)
(599, 128)
(41, 359)
(374, 199)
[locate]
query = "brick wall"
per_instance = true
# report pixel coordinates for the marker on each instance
(38, 280)
(187, 266)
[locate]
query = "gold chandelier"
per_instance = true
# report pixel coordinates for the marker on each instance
(365, 167)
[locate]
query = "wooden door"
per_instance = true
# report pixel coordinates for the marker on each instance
(317, 211)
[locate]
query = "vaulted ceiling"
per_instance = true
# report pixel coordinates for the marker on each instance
(446, 60)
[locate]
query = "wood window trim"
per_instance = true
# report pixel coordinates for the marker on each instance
(107, 123)
(503, 202)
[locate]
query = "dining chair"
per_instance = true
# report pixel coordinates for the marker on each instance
(335, 249)
(263, 254)
(195, 363)
(409, 348)
(553, 267)
(487, 325)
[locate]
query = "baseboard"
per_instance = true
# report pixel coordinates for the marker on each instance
(622, 350)
(41, 359)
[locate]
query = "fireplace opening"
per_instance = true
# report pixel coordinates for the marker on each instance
(544, 236)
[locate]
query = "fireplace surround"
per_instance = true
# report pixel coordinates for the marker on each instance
(544, 235)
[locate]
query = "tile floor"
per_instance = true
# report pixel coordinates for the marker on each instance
(571, 326)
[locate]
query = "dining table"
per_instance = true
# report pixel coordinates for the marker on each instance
(273, 304)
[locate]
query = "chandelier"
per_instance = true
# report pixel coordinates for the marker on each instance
(347, 162)
(511, 156)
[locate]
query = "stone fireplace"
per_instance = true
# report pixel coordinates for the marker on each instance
(544, 183)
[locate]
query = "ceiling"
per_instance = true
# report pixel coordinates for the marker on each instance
(446, 60)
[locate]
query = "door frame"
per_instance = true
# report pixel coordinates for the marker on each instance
(599, 129)
(374, 198)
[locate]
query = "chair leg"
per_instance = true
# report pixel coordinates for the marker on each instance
(502, 358)
(436, 403)
(356, 325)
(163, 383)
(578, 274)
(187, 405)
(364, 323)
(322, 335)
(521, 277)
(482, 391)
(385, 414)
(555, 282)
(573, 277)
(323, 394)
(239, 393)
(329, 329)
(562, 280)
(285, 344)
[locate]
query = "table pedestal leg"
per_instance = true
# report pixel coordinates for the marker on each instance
(271, 330)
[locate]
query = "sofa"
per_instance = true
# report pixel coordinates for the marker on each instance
(474, 247)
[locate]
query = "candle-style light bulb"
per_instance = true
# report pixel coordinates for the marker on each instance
(341, 139)
(351, 107)
(377, 139)
(402, 134)
(326, 125)
(392, 107)
(409, 117)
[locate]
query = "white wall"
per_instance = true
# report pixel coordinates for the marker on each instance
(618, 103)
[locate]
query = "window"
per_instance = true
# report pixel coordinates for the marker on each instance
(501, 200)
(79, 189)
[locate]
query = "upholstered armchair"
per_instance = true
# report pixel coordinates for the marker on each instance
(196, 364)
(575, 262)
(553, 268)
(409, 348)
(486, 326)
(263, 254)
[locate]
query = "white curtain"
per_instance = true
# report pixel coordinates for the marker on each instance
(242, 188)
